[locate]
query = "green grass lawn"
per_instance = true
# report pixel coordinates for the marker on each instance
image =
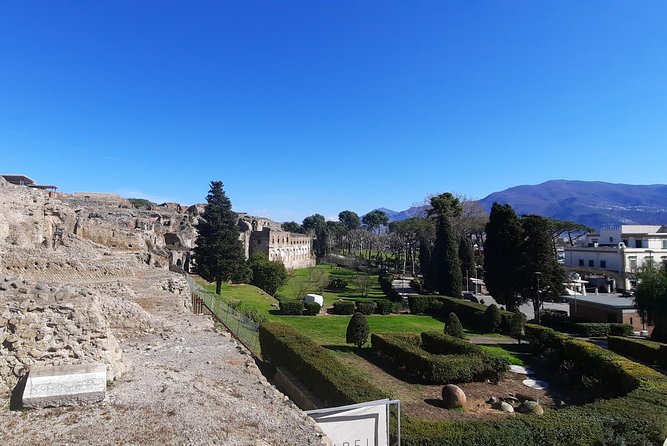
(250, 296)
(329, 330)
(291, 288)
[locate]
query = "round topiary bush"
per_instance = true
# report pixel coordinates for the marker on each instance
(366, 308)
(312, 308)
(453, 326)
(291, 307)
(357, 330)
(384, 306)
(344, 307)
(492, 318)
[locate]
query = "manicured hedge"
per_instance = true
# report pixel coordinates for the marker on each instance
(366, 308)
(556, 319)
(638, 417)
(640, 349)
(419, 304)
(472, 314)
(443, 344)
(329, 379)
(405, 351)
(312, 308)
(662, 356)
(344, 307)
(599, 329)
(384, 306)
(292, 307)
(387, 287)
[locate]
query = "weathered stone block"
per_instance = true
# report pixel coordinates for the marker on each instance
(66, 385)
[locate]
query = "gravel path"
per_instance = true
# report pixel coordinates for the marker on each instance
(185, 384)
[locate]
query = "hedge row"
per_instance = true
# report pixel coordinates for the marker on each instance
(643, 350)
(291, 307)
(405, 351)
(443, 344)
(599, 329)
(387, 287)
(344, 307)
(639, 417)
(330, 380)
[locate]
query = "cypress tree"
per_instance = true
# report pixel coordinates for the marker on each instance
(445, 265)
(357, 330)
(218, 251)
(453, 326)
(501, 255)
(536, 258)
(467, 258)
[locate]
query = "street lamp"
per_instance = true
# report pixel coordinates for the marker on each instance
(537, 307)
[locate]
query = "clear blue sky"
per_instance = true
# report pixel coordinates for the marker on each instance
(321, 106)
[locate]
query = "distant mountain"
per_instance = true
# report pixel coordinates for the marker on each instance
(593, 203)
(415, 211)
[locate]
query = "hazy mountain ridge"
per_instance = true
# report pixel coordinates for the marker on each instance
(593, 203)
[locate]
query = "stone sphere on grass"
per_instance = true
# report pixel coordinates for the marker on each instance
(453, 396)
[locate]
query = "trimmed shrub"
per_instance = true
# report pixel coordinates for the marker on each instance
(517, 324)
(384, 306)
(387, 288)
(312, 308)
(405, 351)
(639, 417)
(642, 350)
(366, 308)
(472, 314)
(492, 318)
(336, 283)
(357, 330)
(600, 329)
(292, 307)
(556, 319)
(443, 344)
(424, 304)
(329, 379)
(621, 330)
(662, 356)
(346, 307)
(453, 326)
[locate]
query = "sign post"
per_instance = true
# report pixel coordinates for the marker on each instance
(364, 424)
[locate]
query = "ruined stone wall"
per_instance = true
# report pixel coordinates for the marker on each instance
(294, 250)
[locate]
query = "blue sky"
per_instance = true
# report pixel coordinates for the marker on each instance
(321, 106)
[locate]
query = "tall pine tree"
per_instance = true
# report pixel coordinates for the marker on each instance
(501, 255)
(218, 253)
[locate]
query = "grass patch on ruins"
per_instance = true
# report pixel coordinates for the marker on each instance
(250, 296)
(299, 279)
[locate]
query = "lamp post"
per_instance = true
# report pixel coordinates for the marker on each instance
(536, 307)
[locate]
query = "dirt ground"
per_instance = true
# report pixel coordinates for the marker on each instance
(423, 401)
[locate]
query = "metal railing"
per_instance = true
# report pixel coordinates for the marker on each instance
(241, 325)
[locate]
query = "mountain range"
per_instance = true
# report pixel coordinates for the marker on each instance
(594, 203)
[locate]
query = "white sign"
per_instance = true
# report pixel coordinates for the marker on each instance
(365, 424)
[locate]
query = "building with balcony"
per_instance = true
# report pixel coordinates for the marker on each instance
(618, 252)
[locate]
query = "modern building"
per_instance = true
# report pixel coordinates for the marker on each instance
(604, 308)
(22, 180)
(618, 252)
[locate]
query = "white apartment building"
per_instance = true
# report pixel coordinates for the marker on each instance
(619, 251)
